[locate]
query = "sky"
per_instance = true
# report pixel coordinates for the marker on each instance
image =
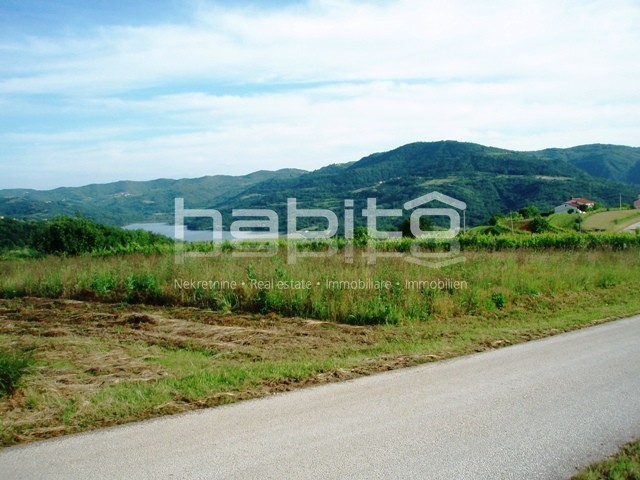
(107, 90)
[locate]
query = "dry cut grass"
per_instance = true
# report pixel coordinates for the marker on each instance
(99, 359)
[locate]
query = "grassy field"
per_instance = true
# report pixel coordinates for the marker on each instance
(389, 292)
(605, 221)
(567, 221)
(119, 338)
(614, 220)
(624, 466)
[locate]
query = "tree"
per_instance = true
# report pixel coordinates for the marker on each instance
(69, 236)
(540, 225)
(425, 225)
(530, 212)
(75, 236)
(495, 220)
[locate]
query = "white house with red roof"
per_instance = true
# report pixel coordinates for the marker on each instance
(575, 205)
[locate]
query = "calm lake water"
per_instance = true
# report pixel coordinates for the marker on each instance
(194, 235)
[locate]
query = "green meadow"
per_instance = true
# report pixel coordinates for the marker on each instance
(93, 340)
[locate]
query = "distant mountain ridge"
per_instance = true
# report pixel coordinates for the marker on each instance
(124, 202)
(488, 179)
(610, 162)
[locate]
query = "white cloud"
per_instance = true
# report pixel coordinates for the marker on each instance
(337, 41)
(328, 81)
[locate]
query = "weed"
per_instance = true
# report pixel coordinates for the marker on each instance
(472, 303)
(141, 288)
(607, 280)
(51, 287)
(13, 365)
(104, 284)
(499, 300)
(625, 466)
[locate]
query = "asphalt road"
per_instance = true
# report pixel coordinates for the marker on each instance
(632, 228)
(536, 410)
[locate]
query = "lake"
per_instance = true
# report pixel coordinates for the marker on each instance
(195, 235)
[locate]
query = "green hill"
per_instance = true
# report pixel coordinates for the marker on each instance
(125, 202)
(488, 179)
(611, 162)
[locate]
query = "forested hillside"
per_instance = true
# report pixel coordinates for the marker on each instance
(489, 180)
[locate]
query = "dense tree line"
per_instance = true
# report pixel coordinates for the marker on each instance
(19, 233)
(74, 236)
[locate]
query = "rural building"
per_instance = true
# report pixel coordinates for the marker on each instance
(575, 205)
(636, 204)
(568, 207)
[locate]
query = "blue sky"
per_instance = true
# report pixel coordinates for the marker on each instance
(92, 92)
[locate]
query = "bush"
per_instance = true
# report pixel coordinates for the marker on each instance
(76, 236)
(530, 212)
(499, 300)
(361, 237)
(104, 284)
(425, 226)
(496, 219)
(70, 236)
(142, 287)
(540, 225)
(13, 365)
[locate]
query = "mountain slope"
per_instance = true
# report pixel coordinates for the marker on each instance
(488, 179)
(611, 162)
(125, 202)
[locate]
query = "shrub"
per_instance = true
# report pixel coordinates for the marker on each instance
(51, 287)
(104, 284)
(142, 287)
(540, 225)
(530, 212)
(360, 237)
(13, 365)
(76, 236)
(499, 300)
(496, 219)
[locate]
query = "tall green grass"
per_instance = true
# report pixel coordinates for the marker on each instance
(487, 282)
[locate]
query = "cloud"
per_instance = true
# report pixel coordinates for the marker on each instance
(307, 84)
(338, 41)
